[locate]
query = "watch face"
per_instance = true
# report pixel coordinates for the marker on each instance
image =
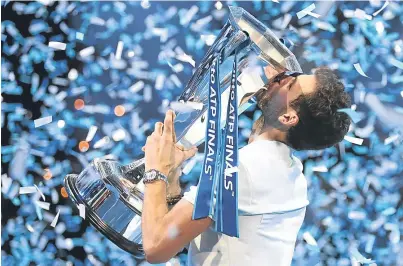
(151, 175)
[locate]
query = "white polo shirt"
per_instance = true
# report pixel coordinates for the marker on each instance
(271, 202)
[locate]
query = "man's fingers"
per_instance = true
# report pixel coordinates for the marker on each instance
(181, 147)
(158, 128)
(190, 153)
(168, 124)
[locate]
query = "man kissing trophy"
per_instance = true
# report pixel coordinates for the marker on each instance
(226, 83)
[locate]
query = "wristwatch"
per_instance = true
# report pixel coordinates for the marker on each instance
(153, 175)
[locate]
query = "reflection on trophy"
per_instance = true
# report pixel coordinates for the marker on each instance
(113, 193)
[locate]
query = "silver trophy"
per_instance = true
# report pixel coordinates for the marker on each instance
(112, 193)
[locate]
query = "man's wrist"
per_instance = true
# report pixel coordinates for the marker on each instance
(153, 175)
(158, 168)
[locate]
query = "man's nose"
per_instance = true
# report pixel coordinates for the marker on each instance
(285, 81)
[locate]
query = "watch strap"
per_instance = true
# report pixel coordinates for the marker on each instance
(153, 175)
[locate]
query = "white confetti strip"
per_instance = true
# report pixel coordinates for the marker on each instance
(87, 51)
(307, 11)
(395, 62)
(136, 87)
(186, 58)
(43, 205)
(354, 140)
(81, 208)
(30, 228)
(119, 50)
(91, 133)
(231, 170)
(275, 1)
(119, 134)
(325, 26)
(159, 82)
(309, 239)
(27, 190)
(382, 8)
(102, 142)
(40, 192)
(218, 5)
(42, 121)
(359, 257)
(57, 45)
(54, 222)
(357, 67)
(97, 21)
(186, 107)
(391, 139)
(359, 13)
(320, 168)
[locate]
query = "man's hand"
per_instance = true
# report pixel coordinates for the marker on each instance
(161, 151)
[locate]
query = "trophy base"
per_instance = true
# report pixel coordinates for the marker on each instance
(135, 249)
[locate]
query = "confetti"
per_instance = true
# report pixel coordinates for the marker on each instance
(30, 228)
(320, 168)
(57, 45)
(100, 143)
(43, 205)
(91, 133)
(380, 10)
(27, 190)
(354, 140)
(40, 192)
(42, 121)
(81, 208)
(391, 139)
(186, 107)
(54, 222)
(119, 50)
(309, 239)
(186, 58)
(357, 67)
(87, 51)
(393, 61)
(307, 11)
(80, 36)
(359, 257)
(359, 13)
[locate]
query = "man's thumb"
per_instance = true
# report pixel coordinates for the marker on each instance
(190, 153)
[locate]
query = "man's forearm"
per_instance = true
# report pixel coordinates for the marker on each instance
(154, 209)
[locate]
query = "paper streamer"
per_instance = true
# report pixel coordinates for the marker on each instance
(357, 67)
(353, 140)
(57, 45)
(81, 208)
(42, 121)
(54, 222)
(27, 190)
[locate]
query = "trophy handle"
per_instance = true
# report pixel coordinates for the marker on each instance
(135, 170)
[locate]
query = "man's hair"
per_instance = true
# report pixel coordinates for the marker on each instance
(320, 125)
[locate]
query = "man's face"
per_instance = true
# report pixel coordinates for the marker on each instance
(275, 101)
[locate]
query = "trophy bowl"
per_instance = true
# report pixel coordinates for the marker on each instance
(112, 193)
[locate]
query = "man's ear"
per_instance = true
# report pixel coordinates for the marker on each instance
(289, 119)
